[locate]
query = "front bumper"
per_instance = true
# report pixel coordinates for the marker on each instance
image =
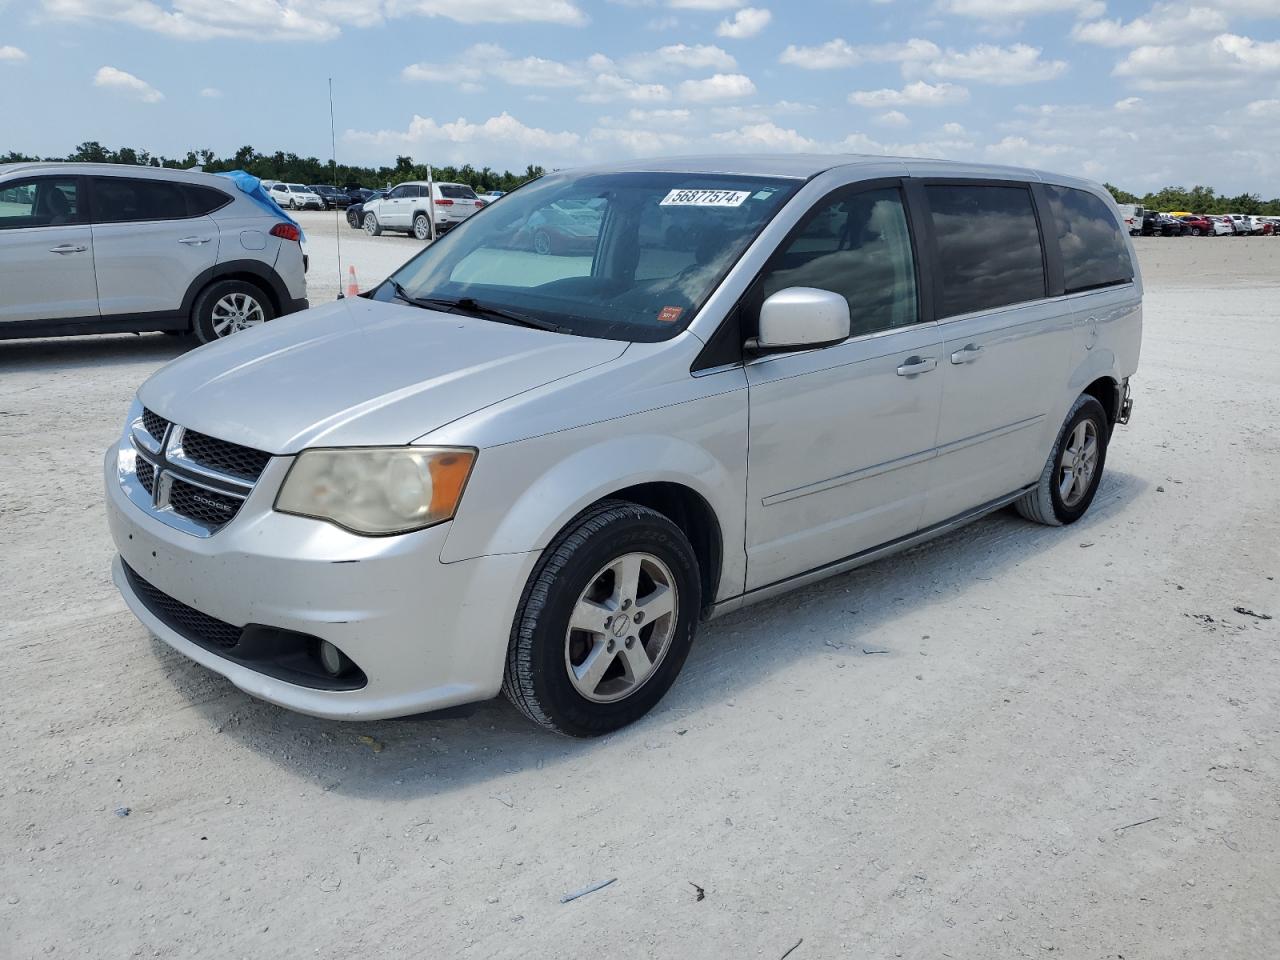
(427, 635)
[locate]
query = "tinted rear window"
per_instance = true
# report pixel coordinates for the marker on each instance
(202, 200)
(120, 200)
(1094, 253)
(455, 192)
(988, 241)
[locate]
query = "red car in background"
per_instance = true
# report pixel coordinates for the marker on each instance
(1198, 226)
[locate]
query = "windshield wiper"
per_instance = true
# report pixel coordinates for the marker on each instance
(471, 305)
(407, 297)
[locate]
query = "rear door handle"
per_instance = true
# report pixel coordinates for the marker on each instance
(967, 354)
(913, 366)
(68, 248)
(194, 241)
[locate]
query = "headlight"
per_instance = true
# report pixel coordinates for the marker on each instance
(377, 490)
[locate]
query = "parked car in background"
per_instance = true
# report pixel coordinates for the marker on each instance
(409, 205)
(492, 195)
(294, 196)
(355, 210)
(1222, 226)
(106, 248)
(1197, 226)
(331, 196)
(1241, 224)
(1167, 226)
(497, 471)
(1131, 214)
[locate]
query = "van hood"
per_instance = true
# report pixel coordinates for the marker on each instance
(360, 373)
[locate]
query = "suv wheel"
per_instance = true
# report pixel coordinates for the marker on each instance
(371, 225)
(353, 219)
(542, 243)
(421, 227)
(227, 307)
(1073, 471)
(605, 622)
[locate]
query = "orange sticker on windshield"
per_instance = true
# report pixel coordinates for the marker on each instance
(669, 314)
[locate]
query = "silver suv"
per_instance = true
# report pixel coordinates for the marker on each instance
(104, 248)
(538, 472)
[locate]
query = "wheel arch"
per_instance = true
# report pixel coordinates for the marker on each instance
(1107, 392)
(256, 272)
(691, 488)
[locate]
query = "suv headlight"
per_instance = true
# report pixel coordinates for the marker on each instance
(377, 491)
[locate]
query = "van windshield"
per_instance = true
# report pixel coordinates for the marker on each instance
(620, 256)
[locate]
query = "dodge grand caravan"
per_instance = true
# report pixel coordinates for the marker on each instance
(537, 473)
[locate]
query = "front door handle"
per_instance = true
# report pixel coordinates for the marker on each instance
(914, 366)
(967, 354)
(195, 241)
(68, 248)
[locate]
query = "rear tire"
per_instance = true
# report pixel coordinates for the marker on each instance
(371, 225)
(421, 227)
(227, 306)
(613, 562)
(353, 219)
(1064, 492)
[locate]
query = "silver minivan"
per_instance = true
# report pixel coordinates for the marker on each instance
(538, 472)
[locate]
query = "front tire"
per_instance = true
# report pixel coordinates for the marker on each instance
(371, 225)
(606, 621)
(1073, 471)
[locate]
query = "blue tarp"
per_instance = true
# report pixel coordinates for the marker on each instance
(252, 187)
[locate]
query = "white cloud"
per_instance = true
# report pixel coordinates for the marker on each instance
(1014, 9)
(679, 56)
(704, 4)
(493, 11)
(306, 20)
(638, 141)
(745, 23)
(1128, 104)
(841, 53)
(918, 94)
(211, 93)
(954, 129)
(893, 118)
(1226, 59)
(501, 130)
(1263, 108)
(109, 78)
(12, 54)
(766, 136)
(1165, 23)
(721, 86)
(607, 87)
(985, 63)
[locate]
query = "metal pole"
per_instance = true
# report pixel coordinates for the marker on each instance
(431, 207)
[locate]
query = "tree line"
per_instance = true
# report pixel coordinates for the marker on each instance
(1199, 200)
(292, 168)
(295, 169)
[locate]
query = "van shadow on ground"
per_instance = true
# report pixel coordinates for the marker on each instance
(429, 756)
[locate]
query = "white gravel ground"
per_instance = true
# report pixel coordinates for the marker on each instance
(1013, 742)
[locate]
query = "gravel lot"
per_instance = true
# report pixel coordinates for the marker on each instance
(1065, 745)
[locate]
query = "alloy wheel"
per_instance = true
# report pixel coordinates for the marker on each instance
(621, 627)
(234, 312)
(1078, 463)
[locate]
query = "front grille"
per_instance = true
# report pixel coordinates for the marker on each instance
(202, 505)
(191, 623)
(146, 476)
(242, 462)
(154, 424)
(189, 480)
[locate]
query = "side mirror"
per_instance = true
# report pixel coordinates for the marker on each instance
(799, 318)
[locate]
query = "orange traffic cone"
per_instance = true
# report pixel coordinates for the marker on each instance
(353, 287)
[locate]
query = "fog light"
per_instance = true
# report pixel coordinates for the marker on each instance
(332, 659)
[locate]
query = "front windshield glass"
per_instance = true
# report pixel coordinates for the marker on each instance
(621, 256)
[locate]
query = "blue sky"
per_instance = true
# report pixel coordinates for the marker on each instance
(1137, 93)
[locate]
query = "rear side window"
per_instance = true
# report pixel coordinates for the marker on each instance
(119, 200)
(1094, 253)
(456, 192)
(859, 247)
(203, 200)
(988, 243)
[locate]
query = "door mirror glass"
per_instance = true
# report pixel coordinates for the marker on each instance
(800, 317)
